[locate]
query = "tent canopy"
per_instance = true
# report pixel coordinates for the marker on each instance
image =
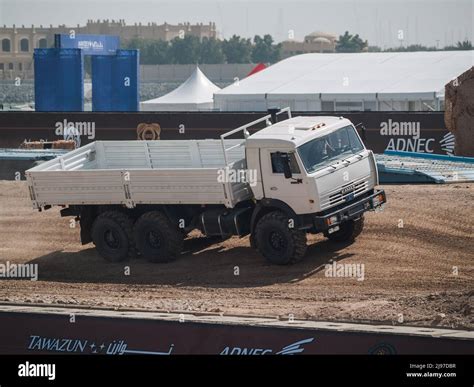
(345, 77)
(196, 93)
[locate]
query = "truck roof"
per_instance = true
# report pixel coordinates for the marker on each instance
(296, 131)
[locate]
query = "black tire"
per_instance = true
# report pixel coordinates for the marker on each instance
(253, 242)
(278, 243)
(347, 232)
(112, 236)
(157, 239)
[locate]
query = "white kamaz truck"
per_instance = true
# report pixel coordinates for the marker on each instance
(293, 177)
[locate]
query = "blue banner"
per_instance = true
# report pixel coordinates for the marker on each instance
(59, 77)
(89, 44)
(115, 82)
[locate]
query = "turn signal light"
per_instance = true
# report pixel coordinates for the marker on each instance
(377, 200)
(331, 220)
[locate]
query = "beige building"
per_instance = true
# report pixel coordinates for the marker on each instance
(17, 43)
(314, 42)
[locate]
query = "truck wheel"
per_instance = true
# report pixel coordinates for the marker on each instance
(253, 242)
(348, 231)
(158, 240)
(278, 243)
(112, 236)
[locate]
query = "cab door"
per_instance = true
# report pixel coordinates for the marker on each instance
(292, 191)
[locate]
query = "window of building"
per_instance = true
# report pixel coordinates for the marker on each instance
(6, 46)
(348, 106)
(10, 66)
(24, 45)
(327, 106)
(20, 66)
(2, 66)
(370, 106)
(42, 43)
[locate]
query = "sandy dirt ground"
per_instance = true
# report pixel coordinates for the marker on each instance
(418, 274)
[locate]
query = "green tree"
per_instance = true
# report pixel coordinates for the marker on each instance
(374, 49)
(134, 43)
(151, 51)
(350, 43)
(237, 50)
(157, 52)
(464, 45)
(211, 51)
(411, 48)
(264, 50)
(185, 50)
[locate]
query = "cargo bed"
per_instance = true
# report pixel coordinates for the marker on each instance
(141, 172)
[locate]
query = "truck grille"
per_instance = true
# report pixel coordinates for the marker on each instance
(345, 192)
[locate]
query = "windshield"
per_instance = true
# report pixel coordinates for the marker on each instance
(322, 151)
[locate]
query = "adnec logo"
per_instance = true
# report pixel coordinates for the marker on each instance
(406, 136)
(447, 143)
(291, 349)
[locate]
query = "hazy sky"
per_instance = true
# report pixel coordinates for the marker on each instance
(429, 22)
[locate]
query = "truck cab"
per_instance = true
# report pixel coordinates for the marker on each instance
(310, 163)
(316, 172)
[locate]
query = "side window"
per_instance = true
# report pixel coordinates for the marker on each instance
(277, 165)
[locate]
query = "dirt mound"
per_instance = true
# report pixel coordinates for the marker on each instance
(459, 112)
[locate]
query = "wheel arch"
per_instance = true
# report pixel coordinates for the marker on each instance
(268, 205)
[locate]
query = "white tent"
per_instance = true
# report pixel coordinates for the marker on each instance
(196, 93)
(361, 81)
(87, 90)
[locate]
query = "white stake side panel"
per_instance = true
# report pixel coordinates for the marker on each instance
(77, 187)
(83, 158)
(176, 186)
(139, 172)
(165, 154)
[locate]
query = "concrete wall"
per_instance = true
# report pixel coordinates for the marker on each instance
(226, 72)
(179, 73)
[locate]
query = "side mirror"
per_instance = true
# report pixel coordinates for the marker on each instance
(285, 160)
(362, 129)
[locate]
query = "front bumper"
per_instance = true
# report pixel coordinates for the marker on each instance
(351, 211)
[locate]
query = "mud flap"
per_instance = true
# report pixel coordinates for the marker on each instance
(86, 220)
